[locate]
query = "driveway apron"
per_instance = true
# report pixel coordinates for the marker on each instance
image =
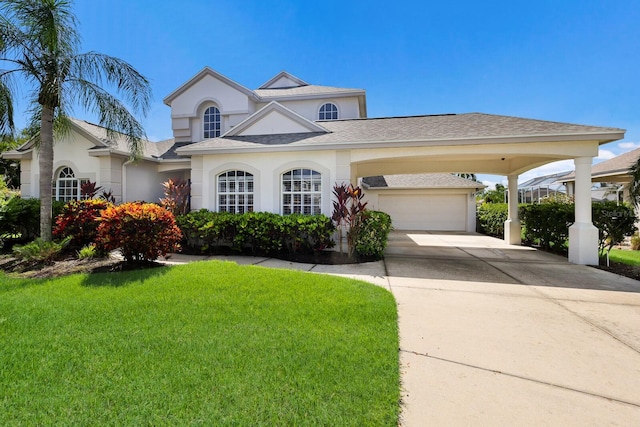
(493, 334)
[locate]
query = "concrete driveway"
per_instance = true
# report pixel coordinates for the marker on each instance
(492, 334)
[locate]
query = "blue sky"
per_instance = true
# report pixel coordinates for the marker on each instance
(573, 61)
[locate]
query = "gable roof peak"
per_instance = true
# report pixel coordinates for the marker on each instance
(208, 71)
(283, 80)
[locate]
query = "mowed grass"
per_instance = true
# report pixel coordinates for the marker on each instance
(625, 256)
(209, 343)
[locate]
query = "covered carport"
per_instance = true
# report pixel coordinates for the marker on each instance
(488, 144)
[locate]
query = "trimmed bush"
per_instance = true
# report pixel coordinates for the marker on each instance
(142, 231)
(371, 234)
(491, 218)
(79, 220)
(261, 233)
(614, 222)
(547, 224)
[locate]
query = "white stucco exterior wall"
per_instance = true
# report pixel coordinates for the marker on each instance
(142, 182)
(188, 107)
(348, 107)
(267, 170)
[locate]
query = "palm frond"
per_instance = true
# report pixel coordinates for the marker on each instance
(113, 114)
(634, 185)
(6, 110)
(104, 69)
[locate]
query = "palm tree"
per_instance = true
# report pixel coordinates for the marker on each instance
(634, 185)
(39, 44)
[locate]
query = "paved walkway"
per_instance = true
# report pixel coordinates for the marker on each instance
(492, 334)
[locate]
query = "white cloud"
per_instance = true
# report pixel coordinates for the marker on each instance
(605, 154)
(629, 145)
(491, 183)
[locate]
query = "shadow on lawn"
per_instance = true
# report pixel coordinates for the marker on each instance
(125, 273)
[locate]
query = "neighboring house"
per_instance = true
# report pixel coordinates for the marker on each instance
(538, 188)
(282, 147)
(612, 175)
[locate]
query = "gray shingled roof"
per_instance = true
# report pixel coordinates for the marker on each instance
(424, 180)
(305, 91)
(618, 165)
(439, 129)
(120, 143)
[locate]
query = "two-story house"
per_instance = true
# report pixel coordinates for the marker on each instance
(282, 147)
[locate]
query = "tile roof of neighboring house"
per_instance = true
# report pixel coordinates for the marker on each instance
(305, 91)
(424, 180)
(618, 165)
(470, 128)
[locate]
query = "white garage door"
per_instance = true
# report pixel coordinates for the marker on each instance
(446, 212)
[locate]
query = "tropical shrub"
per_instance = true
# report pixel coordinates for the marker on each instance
(78, 219)
(491, 218)
(614, 222)
(176, 196)
(40, 251)
(547, 224)
(208, 231)
(20, 218)
(88, 252)
(347, 206)
(371, 234)
(307, 233)
(142, 231)
(261, 233)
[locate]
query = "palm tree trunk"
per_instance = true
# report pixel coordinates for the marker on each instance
(46, 172)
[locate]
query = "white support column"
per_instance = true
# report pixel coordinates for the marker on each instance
(583, 235)
(512, 228)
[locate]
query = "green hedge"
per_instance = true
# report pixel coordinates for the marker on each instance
(491, 218)
(372, 234)
(261, 233)
(547, 224)
(20, 218)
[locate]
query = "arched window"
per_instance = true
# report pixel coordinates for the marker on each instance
(328, 111)
(302, 192)
(235, 192)
(66, 186)
(211, 122)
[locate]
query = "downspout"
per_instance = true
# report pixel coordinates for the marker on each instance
(124, 179)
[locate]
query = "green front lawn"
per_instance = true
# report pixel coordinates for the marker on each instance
(208, 343)
(625, 256)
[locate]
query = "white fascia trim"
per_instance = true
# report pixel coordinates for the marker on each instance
(104, 152)
(210, 72)
(273, 106)
(303, 97)
(17, 155)
(352, 145)
(279, 76)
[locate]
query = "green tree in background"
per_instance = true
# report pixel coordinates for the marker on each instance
(39, 45)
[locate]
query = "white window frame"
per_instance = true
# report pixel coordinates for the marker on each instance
(235, 191)
(211, 122)
(301, 191)
(332, 114)
(67, 186)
